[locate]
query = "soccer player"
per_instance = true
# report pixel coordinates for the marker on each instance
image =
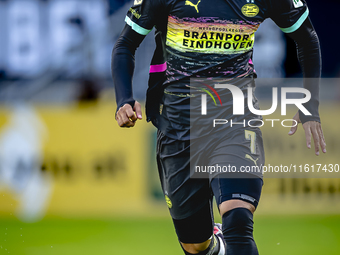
(210, 39)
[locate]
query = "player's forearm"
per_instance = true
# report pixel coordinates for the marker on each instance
(309, 55)
(310, 60)
(123, 65)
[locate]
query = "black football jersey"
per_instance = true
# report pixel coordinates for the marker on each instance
(202, 39)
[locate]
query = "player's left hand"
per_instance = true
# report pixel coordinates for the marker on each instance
(312, 128)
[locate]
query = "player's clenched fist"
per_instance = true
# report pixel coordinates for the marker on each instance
(127, 116)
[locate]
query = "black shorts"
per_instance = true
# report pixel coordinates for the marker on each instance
(185, 193)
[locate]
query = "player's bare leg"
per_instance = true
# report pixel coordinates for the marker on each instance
(195, 248)
(235, 203)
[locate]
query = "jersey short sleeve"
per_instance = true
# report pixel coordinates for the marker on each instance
(288, 14)
(143, 15)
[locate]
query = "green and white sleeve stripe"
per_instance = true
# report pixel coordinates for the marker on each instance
(136, 27)
(297, 24)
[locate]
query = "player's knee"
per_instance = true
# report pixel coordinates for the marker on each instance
(235, 203)
(237, 227)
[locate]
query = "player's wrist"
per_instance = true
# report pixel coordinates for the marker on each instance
(130, 102)
(305, 118)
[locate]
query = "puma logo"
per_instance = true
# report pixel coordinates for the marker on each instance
(250, 157)
(187, 2)
(137, 2)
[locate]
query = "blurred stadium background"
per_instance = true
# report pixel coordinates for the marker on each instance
(73, 182)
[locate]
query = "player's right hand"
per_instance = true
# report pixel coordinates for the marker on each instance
(127, 116)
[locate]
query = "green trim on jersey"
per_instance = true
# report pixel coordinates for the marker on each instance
(136, 27)
(297, 23)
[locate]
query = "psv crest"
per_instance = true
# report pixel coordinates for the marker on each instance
(250, 10)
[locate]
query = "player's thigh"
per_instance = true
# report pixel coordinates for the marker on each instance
(232, 193)
(237, 152)
(184, 195)
(242, 156)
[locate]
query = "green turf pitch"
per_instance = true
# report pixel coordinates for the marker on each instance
(274, 235)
